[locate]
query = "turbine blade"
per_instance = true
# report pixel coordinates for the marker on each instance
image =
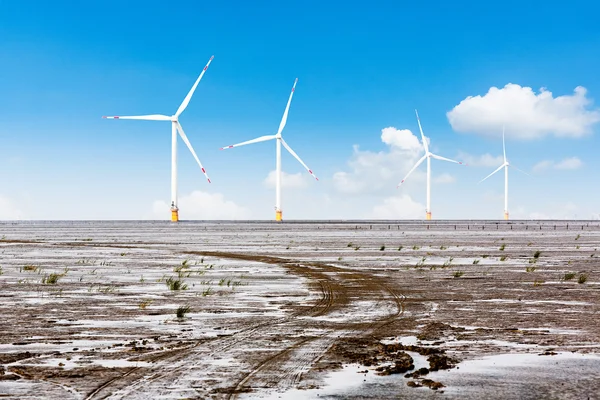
(189, 145)
(446, 159)
(153, 117)
(187, 99)
(288, 148)
(521, 171)
(503, 146)
(287, 108)
(257, 140)
(425, 145)
(412, 169)
(499, 168)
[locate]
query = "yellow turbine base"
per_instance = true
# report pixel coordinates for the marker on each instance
(428, 216)
(278, 216)
(174, 215)
(506, 215)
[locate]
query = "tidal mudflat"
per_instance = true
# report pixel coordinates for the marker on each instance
(365, 309)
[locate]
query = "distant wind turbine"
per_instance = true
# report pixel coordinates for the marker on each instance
(175, 127)
(279, 142)
(428, 155)
(504, 165)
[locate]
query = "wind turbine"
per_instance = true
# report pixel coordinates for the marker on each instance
(428, 155)
(175, 127)
(279, 142)
(504, 165)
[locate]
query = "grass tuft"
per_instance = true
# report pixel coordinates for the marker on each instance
(182, 310)
(458, 274)
(569, 275)
(475, 262)
(502, 247)
(536, 255)
(176, 284)
(382, 248)
(582, 278)
(51, 279)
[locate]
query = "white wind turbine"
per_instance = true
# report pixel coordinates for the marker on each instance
(428, 155)
(504, 165)
(175, 127)
(279, 142)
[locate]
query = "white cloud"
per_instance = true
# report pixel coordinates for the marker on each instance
(566, 164)
(8, 210)
(398, 207)
(201, 205)
(484, 160)
(542, 166)
(444, 178)
(372, 171)
(569, 163)
(298, 180)
(525, 114)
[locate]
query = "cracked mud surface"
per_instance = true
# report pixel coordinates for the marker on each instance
(405, 310)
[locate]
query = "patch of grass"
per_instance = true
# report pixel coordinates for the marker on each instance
(106, 289)
(142, 280)
(182, 310)
(503, 258)
(356, 248)
(144, 303)
(415, 247)
(569, 275)
(582, 278)
(448, 262)
(400, 248)
(51, 279)
(530, 269)
(207, 291)
(382, 248)
(538, 282)
(578, 247)
(123, 254)
(577, 237)
(529, 244)
(475, 262)
(176, 284)
(1, 271)
(537, 254)
(458, 274)
(502, 247)
(340, 258)
(30, 268)
(443, 247)
(350, 244)
(485, 256)
(421, 263)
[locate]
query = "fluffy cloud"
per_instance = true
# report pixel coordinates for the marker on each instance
(201, 205)
(299, 180)
(398, 207)
(444, 178)
(525, 114)
(566, 164)
(484, 160)
(8, 210)
(371, 171)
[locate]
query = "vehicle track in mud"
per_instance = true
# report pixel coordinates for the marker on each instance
(334, 295)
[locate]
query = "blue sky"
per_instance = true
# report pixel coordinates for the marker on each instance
(361, 69)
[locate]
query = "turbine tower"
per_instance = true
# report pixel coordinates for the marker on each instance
(428, 156)
(504, 165)
(279, 141)
(175, 127)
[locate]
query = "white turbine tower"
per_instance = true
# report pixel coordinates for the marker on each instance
(428, 155)
(504, 165)
(175, 127)
(279, 142)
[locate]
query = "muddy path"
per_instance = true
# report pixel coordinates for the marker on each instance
(310, 335)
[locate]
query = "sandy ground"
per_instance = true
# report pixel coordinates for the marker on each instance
(326, 310)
